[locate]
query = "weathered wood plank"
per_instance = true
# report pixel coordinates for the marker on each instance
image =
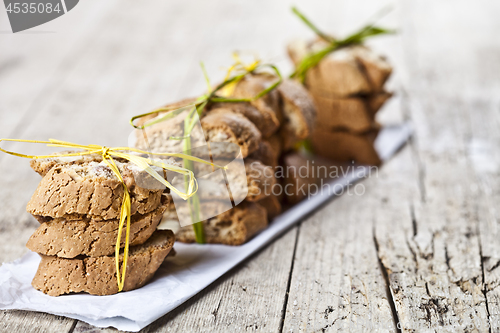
(23, 321)
(34, 63)
(433, 255)
(249, 298)
(336, 283)
(430, 250)
(484, 157)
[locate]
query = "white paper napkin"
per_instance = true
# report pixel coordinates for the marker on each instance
(180, 278)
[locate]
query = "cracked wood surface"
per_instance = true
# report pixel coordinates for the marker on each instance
(440, 257)
(418, 251)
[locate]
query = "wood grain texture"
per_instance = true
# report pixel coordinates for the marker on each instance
(419, 248)
(484, 159)
(250, 298)
(336, 281)
(22, 321)
(432, 246)
(430, 251)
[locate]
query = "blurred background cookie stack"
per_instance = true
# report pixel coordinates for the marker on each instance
(346, 80)
(348, 88)
(78, 204)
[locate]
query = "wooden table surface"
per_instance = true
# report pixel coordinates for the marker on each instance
(420, 247)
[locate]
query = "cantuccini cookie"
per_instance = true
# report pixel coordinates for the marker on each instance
(375, 67)
(43, 166)
(347, 85)
(338, 74)
(266, 122)
(347, 114)
(270, 103)
(224, 125)
(376, 101)
(207, 208)
(159, 137)
(89, 237)
(297, 177)
(299, 113)
(276, 144)
(272, 205)
(97, 275)
(253, 185)
(260, 180)
(265, 154)
(233, 227)
(91, 190)
(345, 146)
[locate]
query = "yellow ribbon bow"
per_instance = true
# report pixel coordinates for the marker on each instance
(238, 66)
(142, 162)
(212, 96)
(224, 89)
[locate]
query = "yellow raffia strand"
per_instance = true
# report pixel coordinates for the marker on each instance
(238, 65)
(204, 100)
(312, 59)
(142, 162)
(214, 94)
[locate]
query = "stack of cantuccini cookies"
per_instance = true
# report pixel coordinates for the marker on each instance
(78, 204)
(264, 130)
(348, 88)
